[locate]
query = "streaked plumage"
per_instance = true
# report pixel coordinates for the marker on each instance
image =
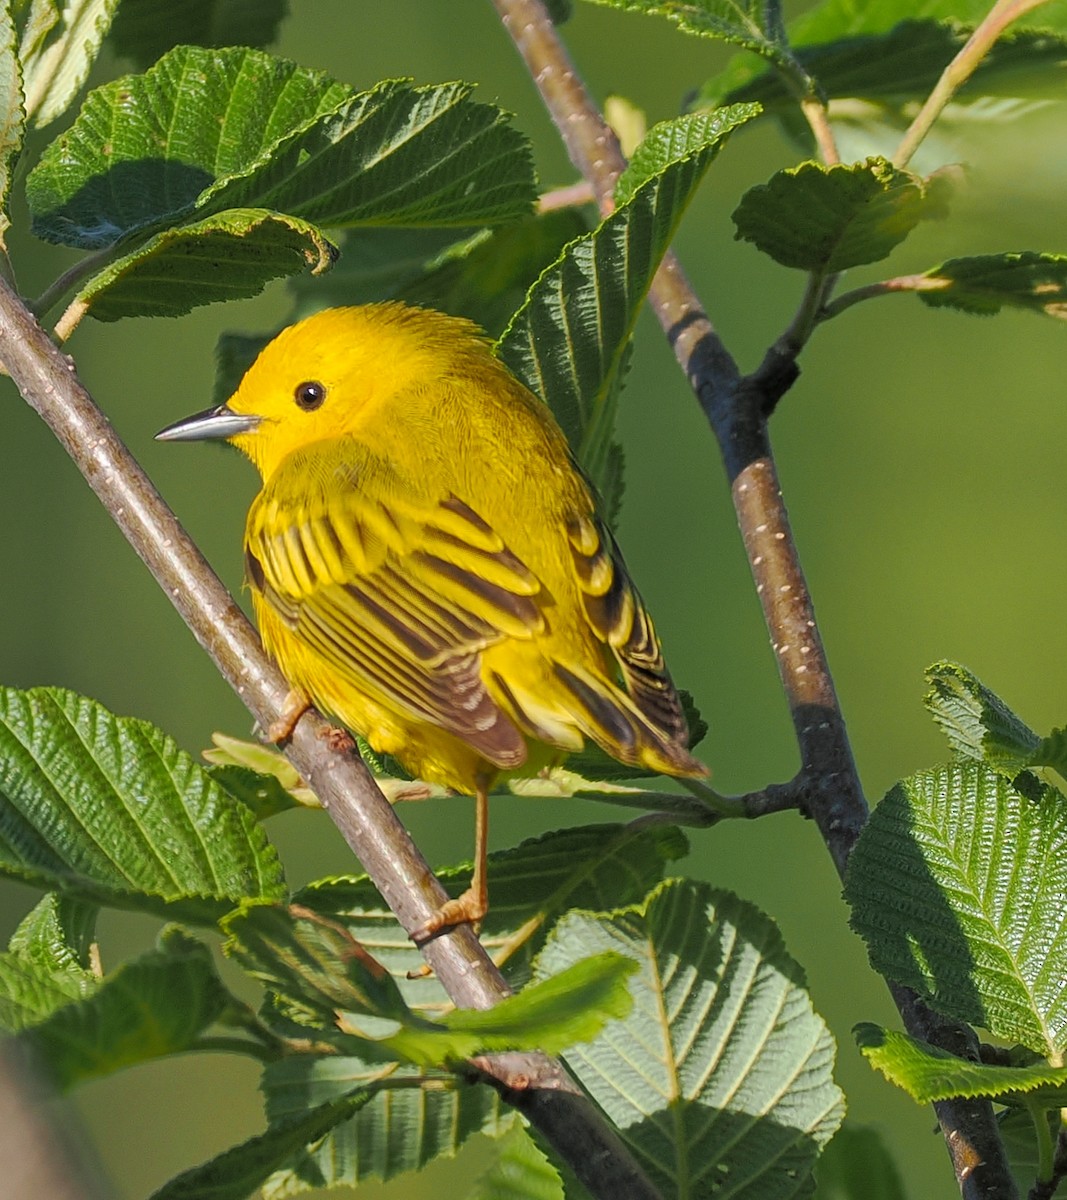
(427, 564)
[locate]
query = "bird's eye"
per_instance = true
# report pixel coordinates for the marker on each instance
(309, 395)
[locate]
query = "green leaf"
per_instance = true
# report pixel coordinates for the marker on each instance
(928, 1073)
(149, 150)
(1018, 1133)
(530, 887)
(12, 114)
(958, 885)
(143, 30)
(321, 975)
(241, 1170)
(57, 49)
(47, 964)
(833, 19)
(151, 1006)
(985, 283)
(313, 966)
(228, 256)
(673, 141)
(720, 1079)
(900, 66)
(755, 24)
(828, 219)
(568, 341)
(857, 1166)
(401, 1129)
(976, 722)
(109, 810)
(519, 1171)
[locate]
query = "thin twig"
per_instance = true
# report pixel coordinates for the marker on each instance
(573, 196)
(958, 71)
(737, 410)
(549, 1099)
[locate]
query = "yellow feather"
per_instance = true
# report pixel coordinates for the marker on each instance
(427, 564)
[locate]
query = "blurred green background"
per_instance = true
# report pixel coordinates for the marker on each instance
(921, 456)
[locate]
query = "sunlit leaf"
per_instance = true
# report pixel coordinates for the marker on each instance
(958, 885)
(109, 810)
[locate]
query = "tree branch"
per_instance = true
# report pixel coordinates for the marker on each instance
(537, 1085)
(737, 410)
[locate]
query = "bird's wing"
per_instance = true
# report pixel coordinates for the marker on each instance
(619, 618)
(399, 598)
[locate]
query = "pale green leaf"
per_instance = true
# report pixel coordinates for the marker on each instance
(976, 722)
(856, 1165)
(568, 342)
(238, 1172)
(143, 30)
(151, 1006)
(755, 24)
(832, 19)
(227, 256)
(928, 1073)
(56, 54)
(530, 887)
(519, 1171)
(399, 1130)
(986, 283)
(12, 113)
(958, 885)
(720, 1079)
(827, 219)
(58, 933)
(281, 785)
(109, 810)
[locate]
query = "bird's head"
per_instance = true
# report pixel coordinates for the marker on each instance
(330, 375)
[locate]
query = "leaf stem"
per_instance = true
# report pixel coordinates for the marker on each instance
(884, 287)
(71, 277)
(958, 71)
(572, 196)
(1043, 1133)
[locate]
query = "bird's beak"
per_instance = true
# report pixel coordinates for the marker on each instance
(212, 423)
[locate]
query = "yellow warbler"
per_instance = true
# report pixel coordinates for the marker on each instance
(427, 565)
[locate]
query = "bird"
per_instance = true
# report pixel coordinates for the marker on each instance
(427, 563)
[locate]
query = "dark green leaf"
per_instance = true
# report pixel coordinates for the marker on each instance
(151, 1006)
(958, 885)
(827, 219)
(857, 1166)
(312, 965)
(58, 933)
(227, 256)
(399, 1130)
(568, 342)
(143, 30)
(928, 1073)
(108, 809)
(241, 1170)
(900, 66)
(986, 283)
(147, 151)
(57, 48)
(722, 1071)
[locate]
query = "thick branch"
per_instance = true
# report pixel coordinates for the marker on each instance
(346, 789)
(737, 410)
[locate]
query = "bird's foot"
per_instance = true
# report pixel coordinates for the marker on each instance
(468, 909)
(296, 703)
